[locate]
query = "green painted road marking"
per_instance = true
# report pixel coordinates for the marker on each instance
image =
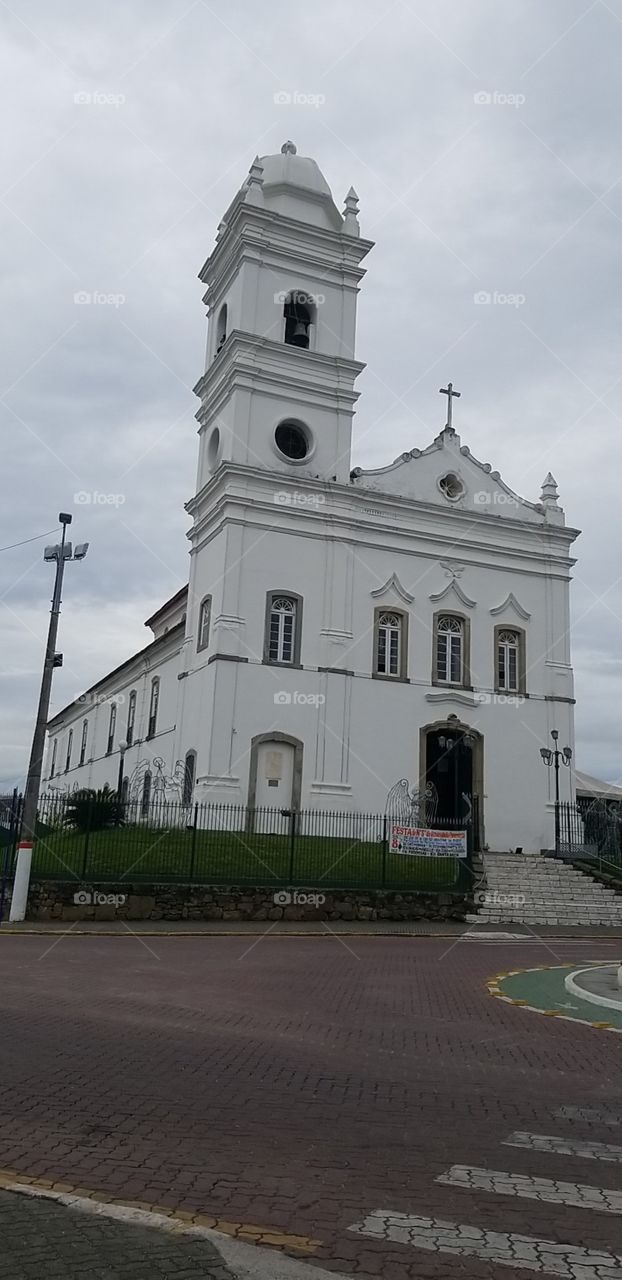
(543, 991)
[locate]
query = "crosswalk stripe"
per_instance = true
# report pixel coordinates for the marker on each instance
(547, 1257)
(591, 1115)
(514, 1184)
(565, 1146)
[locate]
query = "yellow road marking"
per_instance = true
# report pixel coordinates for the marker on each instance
(11, 1179)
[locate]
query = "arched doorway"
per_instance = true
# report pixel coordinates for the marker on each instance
(452, 760)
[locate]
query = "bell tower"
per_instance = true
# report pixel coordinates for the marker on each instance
(281, 290)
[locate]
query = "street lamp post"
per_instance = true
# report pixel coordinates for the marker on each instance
(60, 553)
(122, 750)
(553, 757)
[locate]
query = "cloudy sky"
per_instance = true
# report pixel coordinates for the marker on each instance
(484, 142)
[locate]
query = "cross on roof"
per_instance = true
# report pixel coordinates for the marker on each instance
(450, 393)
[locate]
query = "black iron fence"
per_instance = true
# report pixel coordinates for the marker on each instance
(591, 832)
(10, 817)
(234, 844)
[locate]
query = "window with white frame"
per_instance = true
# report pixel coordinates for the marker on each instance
(205, 613)
(112, 725)
(153, 706)
(449, 649)
(69, 746)
(389, 643)
(508, 661)
(85, 734)
(282, 638)
(131, 718)
(54, 750)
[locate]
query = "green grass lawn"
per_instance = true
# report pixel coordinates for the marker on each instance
(150, 854)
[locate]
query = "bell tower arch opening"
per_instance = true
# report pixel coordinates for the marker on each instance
(299, 313)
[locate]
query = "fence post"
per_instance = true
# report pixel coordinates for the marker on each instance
(193, 844)
(385, 838)
(292, 840)
(87, 834)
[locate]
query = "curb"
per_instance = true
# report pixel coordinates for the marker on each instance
(574, 989)
(153, 1214)
(493, 990)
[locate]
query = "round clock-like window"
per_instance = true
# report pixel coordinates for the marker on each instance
(451, 486)
(293, 441)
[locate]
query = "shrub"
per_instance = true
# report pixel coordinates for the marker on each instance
(90, 810)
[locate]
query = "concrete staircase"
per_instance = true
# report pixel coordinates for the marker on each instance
(533, 889)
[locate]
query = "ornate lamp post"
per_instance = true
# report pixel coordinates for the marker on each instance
(122, 750)
(553, 757)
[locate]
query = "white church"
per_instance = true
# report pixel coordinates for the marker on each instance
(343, 632)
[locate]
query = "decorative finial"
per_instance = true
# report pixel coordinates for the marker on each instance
(350, 214)
(450, 393)
(549, 493)
(288, 149)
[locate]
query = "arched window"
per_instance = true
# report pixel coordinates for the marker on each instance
(54, 750)
(390, 643)
(85, 734)
(509, 660)
(221, 328)
(153, 706)
(112, 725)
(299, 312)
(190, 766)
(131, 718)
(125, 790)
(449, 649)
(69, 746)
(205, 613)
(146, 795)
(283, 628)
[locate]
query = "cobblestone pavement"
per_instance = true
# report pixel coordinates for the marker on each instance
(359, 1093)
(42, 1240)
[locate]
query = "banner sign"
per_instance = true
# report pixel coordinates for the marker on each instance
(422, 843)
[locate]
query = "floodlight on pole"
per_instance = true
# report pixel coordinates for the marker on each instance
(60, 553)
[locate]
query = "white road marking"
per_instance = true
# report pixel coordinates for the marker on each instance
(514, 1184)
(565, 1146)
(547, 1257)
(591, 1115)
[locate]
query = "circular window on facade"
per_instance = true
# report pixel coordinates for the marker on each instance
(293, 441)
(451, 485)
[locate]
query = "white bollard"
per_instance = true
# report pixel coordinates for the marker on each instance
(620, 975)
(21, 884)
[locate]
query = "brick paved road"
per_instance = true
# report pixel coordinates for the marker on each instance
(304, 1084)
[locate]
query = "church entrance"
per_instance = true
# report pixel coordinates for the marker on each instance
(453, 767)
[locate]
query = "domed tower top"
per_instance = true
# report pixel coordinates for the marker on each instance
(295, 186)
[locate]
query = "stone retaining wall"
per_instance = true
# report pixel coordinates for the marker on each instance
(60, 901)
